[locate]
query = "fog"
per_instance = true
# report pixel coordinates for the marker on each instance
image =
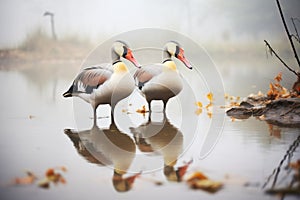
(204, 21)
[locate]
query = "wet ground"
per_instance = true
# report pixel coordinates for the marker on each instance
(40, 130)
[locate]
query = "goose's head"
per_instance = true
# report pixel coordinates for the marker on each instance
(173, 48)
(121, 49)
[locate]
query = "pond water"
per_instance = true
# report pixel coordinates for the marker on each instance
(40, 129)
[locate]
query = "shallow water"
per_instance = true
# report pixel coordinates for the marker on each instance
(39, 130)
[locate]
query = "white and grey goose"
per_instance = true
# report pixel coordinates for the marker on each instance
(162, 81)
(105, 84)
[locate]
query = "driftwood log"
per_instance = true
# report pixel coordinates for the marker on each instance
(283, 112)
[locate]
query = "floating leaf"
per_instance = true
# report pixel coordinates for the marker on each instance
(196, 176)
(226, 96)
(198, 180)
(199, 104)
(44, 183)
(27, 180)
(209, 114)
(207, 185)
(142, 110)
(208, 106)
(210, 97)
(198, 111)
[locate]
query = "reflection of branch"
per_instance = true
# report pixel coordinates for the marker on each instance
(272, 51)
(288, 155)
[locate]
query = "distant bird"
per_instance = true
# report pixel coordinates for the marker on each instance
(105, 84)
(47, 13)
(162, 81)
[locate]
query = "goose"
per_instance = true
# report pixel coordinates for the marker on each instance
(105, 84)
(162, 81)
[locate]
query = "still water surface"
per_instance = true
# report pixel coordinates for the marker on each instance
(39, 130)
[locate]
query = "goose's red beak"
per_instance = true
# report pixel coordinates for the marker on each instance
(182, 58)
(129, 56)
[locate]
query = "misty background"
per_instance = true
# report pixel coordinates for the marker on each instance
(207, 22)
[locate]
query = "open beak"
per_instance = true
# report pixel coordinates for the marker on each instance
(129, 56)
(182, 58)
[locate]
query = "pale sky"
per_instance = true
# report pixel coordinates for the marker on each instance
(214, 20)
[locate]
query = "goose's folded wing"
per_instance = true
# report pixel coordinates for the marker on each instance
(91, 78)
(146, 73)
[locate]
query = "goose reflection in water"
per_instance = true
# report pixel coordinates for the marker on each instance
(165, 139)
(107, 147)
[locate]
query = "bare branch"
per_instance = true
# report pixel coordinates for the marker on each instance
(288, 33)
(296, 38)
(297, 35)
(272, 51)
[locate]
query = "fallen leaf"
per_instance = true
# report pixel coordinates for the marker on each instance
(142, 110)
(207, 185)
(199, 104)
(198, 180)
(31, 116)
(198, 111)
(208, 106)
(278, 78)
(209, 114)
(260, 94)
(196, 176)
(63, 168)
(295, 165)
(27, 180)
(44, 183)
(226, 96)
(210, 97)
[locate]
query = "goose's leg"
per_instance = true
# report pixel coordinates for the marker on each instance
(165, 105)
(95, 116)
(149, 116)
(112, 114)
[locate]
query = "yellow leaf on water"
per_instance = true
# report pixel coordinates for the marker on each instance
(198, 111)
(199, 104)
(210, 97)
(209, 114)
(196, 176)
(207, 185)
(198, 180)
(208, 106)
